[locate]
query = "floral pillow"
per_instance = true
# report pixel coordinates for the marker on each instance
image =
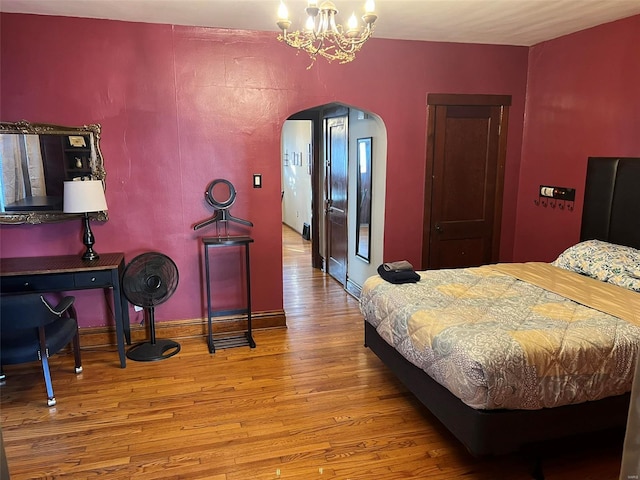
(603, 261)
(634, 270)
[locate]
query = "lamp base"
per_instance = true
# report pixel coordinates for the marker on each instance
(90, 254)
(88, 241)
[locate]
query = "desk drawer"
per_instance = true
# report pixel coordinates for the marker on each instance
(37, 283)
(56, 282)
(100, 278)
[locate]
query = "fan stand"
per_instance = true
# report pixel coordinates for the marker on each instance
(153, 350)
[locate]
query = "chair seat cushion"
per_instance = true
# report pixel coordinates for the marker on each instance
(22, 346)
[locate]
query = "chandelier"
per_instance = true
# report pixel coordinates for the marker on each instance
(322, 36)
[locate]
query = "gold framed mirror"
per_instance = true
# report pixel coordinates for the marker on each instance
(35, 161)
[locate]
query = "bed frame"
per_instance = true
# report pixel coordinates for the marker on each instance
(611, 213)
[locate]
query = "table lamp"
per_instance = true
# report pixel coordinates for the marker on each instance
(84, 197)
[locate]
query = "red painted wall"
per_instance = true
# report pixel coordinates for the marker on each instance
(583, 100)
(181, 106)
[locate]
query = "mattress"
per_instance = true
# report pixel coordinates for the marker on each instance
(499, 342)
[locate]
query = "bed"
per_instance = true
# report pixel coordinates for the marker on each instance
(558, 360)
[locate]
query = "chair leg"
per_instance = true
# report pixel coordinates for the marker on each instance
(44, 357)
(51, 399)
(76, 353)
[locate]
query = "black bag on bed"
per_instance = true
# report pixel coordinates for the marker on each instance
(398, 275)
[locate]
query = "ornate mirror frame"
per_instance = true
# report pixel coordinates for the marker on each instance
(91, 165)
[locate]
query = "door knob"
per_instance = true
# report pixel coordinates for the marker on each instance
(328, 205)
(438, 228)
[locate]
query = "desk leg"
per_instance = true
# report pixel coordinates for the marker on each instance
(120, 313)
(125, 319)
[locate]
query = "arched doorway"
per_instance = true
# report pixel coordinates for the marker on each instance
(310, 156)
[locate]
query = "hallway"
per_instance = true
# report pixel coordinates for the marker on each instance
(305, 288)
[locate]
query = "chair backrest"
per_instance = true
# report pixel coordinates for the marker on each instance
(19, 312)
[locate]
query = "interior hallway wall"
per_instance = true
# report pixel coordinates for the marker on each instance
(296, 173)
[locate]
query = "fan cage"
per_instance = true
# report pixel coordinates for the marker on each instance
(150, 279)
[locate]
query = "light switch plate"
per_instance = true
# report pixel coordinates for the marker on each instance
(257, 180)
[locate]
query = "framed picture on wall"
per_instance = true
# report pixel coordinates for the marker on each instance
(77, 141)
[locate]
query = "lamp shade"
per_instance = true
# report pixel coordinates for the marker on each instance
(84, 196)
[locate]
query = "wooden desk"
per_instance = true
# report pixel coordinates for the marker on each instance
(68, 273)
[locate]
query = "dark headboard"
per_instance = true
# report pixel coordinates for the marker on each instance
(611, 209)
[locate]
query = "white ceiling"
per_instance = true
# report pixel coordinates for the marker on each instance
(506, 22)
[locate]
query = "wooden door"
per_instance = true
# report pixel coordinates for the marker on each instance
(465, 177)
(336, 151)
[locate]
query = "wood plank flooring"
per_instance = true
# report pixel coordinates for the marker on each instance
(310, 402)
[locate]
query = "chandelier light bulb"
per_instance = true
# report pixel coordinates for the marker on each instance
(353, 22)
(283, 13)
(370, 6)
(310, 24)
(283, 17)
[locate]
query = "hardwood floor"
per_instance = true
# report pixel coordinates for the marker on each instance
(310, 402)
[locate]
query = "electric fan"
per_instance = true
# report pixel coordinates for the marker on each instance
(149, 280)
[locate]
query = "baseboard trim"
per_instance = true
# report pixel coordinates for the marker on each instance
(106, 336)
(353, 289)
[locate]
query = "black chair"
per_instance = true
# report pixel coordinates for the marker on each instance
(31, 329)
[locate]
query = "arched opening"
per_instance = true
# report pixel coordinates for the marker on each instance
(310, 149)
